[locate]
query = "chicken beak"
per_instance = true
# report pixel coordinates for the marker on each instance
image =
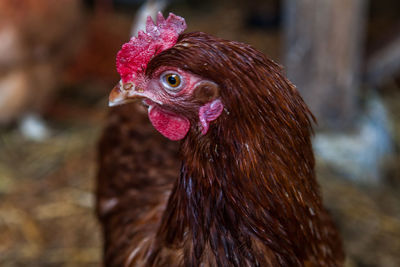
(123, 93)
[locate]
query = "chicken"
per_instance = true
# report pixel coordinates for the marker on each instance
(35, 42)
(238, 189)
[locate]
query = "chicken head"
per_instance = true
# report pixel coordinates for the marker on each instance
(176, 99)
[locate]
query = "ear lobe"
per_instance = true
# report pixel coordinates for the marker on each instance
(209, 112)
(206, 91)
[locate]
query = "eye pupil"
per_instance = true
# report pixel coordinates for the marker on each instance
(172, 80)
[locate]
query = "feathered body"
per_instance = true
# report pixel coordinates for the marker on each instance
(246, 193)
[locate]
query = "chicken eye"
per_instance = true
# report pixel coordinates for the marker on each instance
(171, 80)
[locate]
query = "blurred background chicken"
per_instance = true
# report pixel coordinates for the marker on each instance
(36, 40)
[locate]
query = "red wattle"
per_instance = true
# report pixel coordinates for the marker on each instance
(172, 126)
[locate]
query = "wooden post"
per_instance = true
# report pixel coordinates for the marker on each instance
(324, 46)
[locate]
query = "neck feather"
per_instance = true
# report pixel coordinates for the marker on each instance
(241, 183)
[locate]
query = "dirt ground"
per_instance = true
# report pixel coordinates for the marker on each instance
(46, 188)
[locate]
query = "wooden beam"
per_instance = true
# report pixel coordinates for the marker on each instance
(324, 46)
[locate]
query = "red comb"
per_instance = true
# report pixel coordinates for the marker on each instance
(135, 54)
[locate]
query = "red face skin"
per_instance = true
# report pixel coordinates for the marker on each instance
(161, 97)
(158, 90)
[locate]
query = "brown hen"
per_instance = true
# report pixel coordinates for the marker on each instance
(239, 189)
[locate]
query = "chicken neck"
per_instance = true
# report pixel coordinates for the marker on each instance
(235, 192)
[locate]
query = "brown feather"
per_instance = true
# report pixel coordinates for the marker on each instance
(134, 183)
